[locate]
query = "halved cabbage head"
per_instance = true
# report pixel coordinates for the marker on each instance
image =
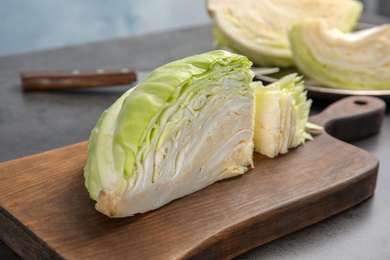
(188, 124)
(357, 60)
(281, 117)
(258, 29)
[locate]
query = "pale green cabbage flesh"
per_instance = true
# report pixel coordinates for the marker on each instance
(188, 124)
(357, 60)
(281, 117)
(258, 29)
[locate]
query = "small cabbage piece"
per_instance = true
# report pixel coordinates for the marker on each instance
(258, 28)
(356, 60)
(281, 117)
(187, 125)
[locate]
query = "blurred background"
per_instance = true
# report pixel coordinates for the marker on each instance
(40, 24)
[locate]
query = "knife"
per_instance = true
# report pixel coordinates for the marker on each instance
(59, 80)
(52, 80)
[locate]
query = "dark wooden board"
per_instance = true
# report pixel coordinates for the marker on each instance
(46, 211)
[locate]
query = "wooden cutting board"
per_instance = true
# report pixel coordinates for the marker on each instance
(46, 211)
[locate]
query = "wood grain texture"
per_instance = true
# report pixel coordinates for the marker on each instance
(46, 212)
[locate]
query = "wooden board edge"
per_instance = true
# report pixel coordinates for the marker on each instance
(22, 240)
(259, 230)
(74, 146)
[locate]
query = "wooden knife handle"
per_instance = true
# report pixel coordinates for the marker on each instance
(352, 118)
(76, 79)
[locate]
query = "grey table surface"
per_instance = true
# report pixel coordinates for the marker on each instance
(35, 122)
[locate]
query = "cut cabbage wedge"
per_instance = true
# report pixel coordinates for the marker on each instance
(358, 60)
(281, 118)
(189, 124)
(258, 29)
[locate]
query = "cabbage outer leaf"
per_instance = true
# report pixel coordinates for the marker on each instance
(356, 60)
(188, 124)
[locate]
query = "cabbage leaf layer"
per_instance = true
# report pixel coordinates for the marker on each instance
(281, 118)
(357, 60)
